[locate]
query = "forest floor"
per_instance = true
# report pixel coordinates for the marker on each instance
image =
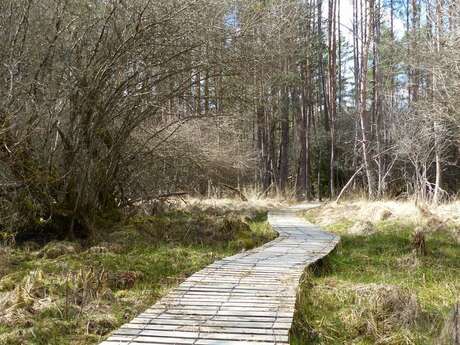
(375, 289)
(76, 293)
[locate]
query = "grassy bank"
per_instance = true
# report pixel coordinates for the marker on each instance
(375, 290)
(73, 293)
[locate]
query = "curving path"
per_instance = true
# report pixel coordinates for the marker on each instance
(248, 298)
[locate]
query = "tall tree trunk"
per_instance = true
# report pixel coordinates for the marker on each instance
(198, 93)
(332, 90)
(437, 37)
(284, 145)
(206, 93)
(378, 112)
(302, 130)
(438, 181)
(414, 43)
(367, 21)
(323, 93)
(304, 139)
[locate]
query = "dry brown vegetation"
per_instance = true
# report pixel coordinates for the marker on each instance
(430, 218)
(76, 293)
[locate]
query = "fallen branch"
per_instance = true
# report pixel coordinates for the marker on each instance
(180, 195)
(171, 195)
(348, 183)
(237, 191)
(264, 192)
(12, 185)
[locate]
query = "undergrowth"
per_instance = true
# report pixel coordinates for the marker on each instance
(375, 290)
(72, 293)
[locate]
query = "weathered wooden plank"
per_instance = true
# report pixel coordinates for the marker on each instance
(217, 312)
(236, 342)
(217, 323)
(207, 329)
(198, 342)
(203, 337)
(178, 334)
(223, 304)
(225, 297)
(248, 298)
(221, 307)
(203, 318)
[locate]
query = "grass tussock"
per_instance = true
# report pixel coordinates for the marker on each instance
(72, 293)
(378, 289)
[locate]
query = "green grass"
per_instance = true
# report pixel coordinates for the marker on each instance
(78, 298)
(333, 310)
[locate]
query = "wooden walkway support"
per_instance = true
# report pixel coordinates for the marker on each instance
(247, 299)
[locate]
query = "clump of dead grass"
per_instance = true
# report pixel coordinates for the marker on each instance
(381, 308)
(232, 205)
(54, 250)
(409, 261)
(450, 334)
(5, 260)
(376, 211)
(101, 324)
(432, 218)
(375, 313)
(362, 228)
(82, 298)
(192, 226)
(27, 297)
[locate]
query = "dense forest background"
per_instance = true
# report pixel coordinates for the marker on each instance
(107, 103)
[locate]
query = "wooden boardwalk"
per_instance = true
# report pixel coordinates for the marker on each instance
(248, 298)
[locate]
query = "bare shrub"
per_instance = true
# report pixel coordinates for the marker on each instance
(100, 106)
